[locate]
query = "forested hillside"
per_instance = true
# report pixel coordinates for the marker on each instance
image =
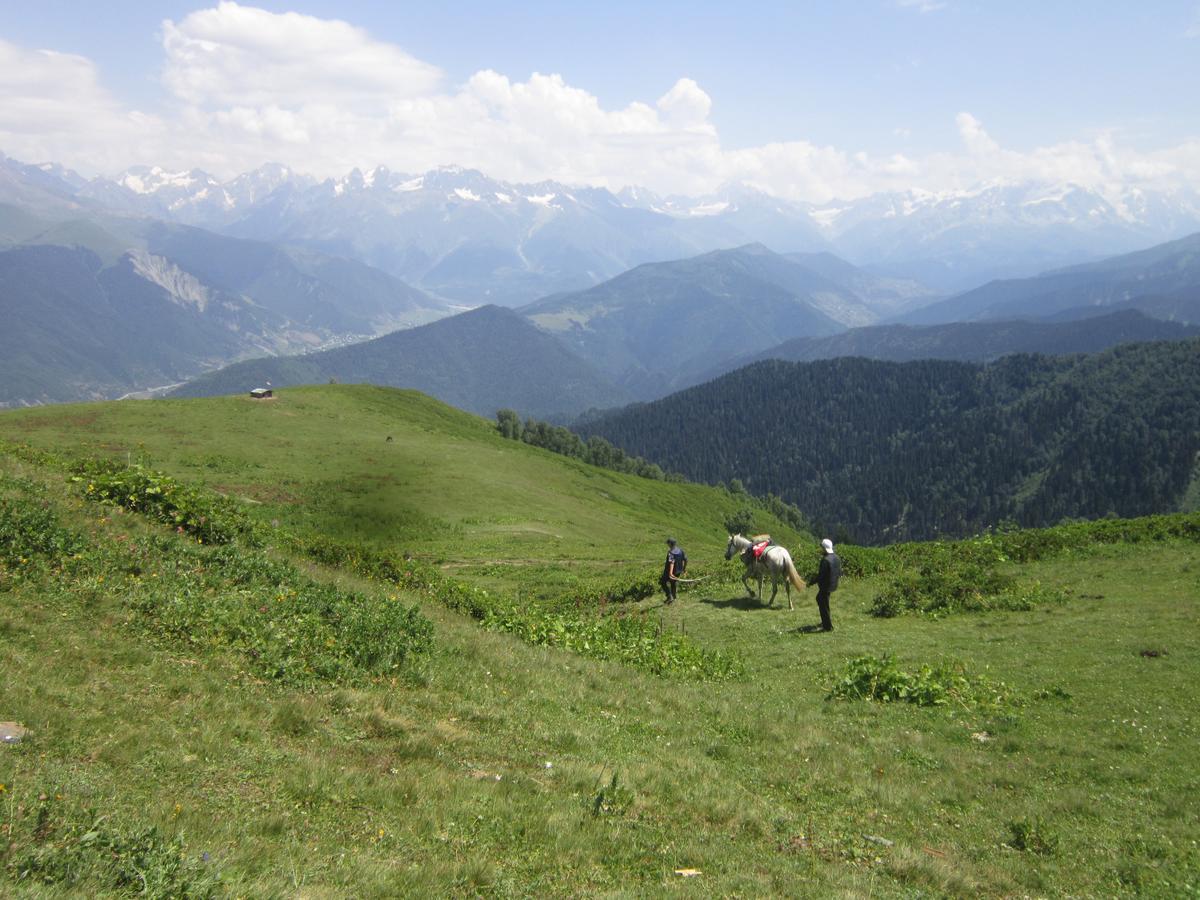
(881, 451)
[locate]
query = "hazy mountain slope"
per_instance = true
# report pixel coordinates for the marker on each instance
(75, 330)
(311, 289)
(905, 450)
(656, 324)
(1169, 268)
(885, 296)
(977, 341)
(1182, 306)
(98, 305)
(481, 361)
(17, 224)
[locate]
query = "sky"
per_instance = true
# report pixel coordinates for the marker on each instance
(809, 101)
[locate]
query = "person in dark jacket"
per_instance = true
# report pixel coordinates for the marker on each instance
(673, 570)
(827, 581)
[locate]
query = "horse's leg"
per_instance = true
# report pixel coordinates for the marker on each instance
(746, 581)
(774, 586)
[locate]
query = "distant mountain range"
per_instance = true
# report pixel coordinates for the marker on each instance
(665, 326)
(973, 341)
(273, 262)
(1163, 279)
(461, 235)
(481, 361)
(96, 306)
(881, 451)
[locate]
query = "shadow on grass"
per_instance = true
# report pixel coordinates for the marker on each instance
(808, 629)
(742, 602)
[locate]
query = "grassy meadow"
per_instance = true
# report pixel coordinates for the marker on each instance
(220, 720)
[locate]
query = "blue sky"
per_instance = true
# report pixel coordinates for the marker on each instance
(809, 100)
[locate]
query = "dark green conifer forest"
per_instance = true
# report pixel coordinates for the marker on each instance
(879, 452)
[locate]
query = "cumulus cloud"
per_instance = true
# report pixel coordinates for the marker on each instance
(50, 101)
(971, 131)
(240, 55)
(249, 86)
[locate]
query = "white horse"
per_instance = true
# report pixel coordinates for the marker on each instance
(775, 561)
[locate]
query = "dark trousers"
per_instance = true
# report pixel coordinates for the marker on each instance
(668, 586)
(823, 605)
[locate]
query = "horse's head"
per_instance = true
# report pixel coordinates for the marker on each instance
(730, 548)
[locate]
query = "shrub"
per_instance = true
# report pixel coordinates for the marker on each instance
(567, 623)
(289, 627)
(1031, 837)
(29, 529)
(197, 511)
(882, 680)
(43, 848)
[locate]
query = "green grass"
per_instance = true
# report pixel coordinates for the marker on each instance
(446, 487)
(435, 781)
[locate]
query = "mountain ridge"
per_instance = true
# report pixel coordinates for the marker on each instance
(480, 361)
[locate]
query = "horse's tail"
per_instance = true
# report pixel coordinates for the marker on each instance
(796, 580)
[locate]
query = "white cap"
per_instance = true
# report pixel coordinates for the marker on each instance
(827, 545)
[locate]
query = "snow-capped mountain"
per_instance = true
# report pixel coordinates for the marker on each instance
(473, 239)
(958, 240)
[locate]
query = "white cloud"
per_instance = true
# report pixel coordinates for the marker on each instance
(250, 57)
(971, 131)
(52, 102)
(323, 96)
(921, 6)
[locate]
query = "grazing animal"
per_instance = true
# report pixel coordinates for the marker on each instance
(775, 561)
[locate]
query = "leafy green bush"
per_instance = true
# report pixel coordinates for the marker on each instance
(567, 623)
(932, 588)
(43, 847)
(1031, 836)
(882, 680)
(940, 577)
(290, 627)
(194, 510)
(29, 529)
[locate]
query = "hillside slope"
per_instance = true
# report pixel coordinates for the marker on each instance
(483, 360)
(194, 719)
(976, 341)
(659, 323)
(399, 469)
(1172, 268)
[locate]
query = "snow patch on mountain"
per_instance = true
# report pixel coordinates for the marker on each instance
(709, 209)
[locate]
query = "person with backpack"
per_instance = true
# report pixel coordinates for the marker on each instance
(827, 581)
(673, 569)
